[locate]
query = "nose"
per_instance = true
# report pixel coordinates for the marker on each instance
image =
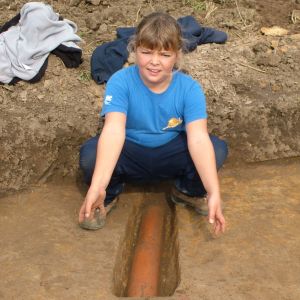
(155, 59)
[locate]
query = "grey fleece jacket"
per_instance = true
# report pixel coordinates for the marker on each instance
(25, 47)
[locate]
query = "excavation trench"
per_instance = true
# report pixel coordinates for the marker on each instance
(147, 263)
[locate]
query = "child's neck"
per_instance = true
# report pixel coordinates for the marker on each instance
(158, 87)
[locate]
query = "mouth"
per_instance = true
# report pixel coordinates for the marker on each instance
(153, 71)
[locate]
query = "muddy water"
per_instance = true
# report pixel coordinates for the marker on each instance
(45, 255)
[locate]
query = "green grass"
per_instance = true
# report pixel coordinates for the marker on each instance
(197, 5)
(200, 5)
(85, 76)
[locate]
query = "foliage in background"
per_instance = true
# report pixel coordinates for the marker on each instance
(197, 5)
(201, 5)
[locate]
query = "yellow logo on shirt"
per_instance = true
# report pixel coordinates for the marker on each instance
(173, 122)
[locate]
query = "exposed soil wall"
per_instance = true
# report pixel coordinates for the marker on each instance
(251, 84)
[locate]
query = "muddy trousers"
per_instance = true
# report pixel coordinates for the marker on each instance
(141, 164)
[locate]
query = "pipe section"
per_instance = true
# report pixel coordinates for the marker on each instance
(144, 274)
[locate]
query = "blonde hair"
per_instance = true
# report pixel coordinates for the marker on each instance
(157, 31)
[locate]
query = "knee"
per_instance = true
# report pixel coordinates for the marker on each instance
(221, 150)
(87, 155)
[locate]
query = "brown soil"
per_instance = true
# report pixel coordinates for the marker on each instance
(46, 255)
(276, 12)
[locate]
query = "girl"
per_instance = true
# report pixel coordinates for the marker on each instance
(155, 128)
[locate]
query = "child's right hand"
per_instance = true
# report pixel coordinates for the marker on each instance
(94, 199)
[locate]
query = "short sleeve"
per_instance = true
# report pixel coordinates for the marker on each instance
(194, 104)
(116, 95)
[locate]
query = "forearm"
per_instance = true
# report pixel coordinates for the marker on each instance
(203, 156)
(109, 147)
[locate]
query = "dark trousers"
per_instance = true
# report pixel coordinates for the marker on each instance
(142, 164)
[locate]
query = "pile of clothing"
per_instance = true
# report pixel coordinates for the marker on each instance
(27, 40)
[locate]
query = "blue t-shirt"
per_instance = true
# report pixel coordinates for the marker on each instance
(154, 119)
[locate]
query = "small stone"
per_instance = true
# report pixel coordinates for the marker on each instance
(272, 60)
(274, 31)
(12, 6)
(92, 21)
(74, 2)
(102, 28)
(289, 83)
(94, 2)
(23, 96)
(276, 87)
(47, 83)
(263, 84)
(261, 47)
(112, 14)
(274, 44)
(284, 49)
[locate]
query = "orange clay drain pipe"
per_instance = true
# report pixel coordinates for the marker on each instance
(144, 275)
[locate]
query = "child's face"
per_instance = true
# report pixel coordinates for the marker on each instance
(155, 65)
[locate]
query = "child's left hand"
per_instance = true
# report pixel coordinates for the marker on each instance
(215, 215)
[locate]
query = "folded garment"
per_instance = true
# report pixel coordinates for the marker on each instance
(36, 78)
(25, 46)
(194, 34)
(69, 54)
(111, 56)
(107, 59)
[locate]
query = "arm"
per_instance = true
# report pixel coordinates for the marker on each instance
(202, 153)
(109, 147)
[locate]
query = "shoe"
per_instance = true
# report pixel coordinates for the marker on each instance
(98, 221)
(198, 203)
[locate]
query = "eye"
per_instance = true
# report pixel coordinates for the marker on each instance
(166, 54)
(145, 51)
